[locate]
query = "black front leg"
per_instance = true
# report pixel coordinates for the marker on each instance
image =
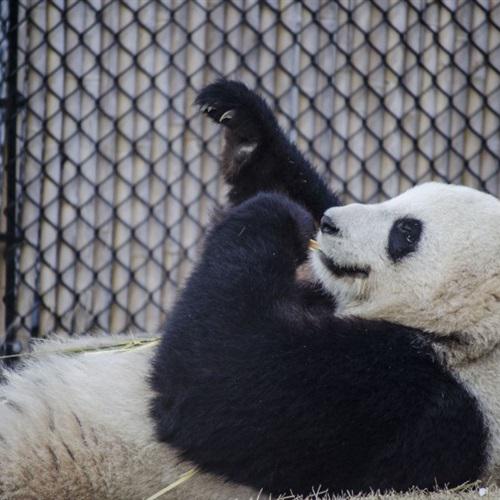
(257, 155)
(246, 272)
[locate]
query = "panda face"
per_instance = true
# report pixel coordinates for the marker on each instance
(429, 258)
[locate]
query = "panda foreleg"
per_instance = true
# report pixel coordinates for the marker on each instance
(257, 155)
(246, 270)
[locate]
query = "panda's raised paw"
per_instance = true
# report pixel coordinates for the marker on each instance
(218, 101)
(235, 106)
(257, 155)
(249, 123)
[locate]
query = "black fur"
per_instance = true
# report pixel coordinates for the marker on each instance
(257, 380)
(274, 164)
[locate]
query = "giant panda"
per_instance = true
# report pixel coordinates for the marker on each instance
(381, 375)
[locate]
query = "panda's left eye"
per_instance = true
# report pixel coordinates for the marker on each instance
(403, 238)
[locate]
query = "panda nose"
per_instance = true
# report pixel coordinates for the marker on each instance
(327, 225)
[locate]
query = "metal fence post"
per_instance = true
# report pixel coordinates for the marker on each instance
(10, 178)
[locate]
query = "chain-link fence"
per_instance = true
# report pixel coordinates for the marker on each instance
(113, 172)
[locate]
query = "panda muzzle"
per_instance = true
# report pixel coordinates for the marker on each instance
(343, 271)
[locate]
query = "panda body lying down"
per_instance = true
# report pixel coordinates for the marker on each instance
(256, 379)
(346, 403)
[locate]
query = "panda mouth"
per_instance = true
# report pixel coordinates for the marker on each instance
(343, 271)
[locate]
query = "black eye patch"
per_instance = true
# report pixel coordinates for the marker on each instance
(404, 237)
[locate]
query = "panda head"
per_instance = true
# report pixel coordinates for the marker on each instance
(429, 259)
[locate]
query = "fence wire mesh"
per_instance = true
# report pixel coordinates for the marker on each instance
(116, 172)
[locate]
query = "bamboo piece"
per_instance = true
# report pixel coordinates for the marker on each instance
(326, 59)
(267, 59)
(490, 169)
(146, 275)
(427, 99)
(106, 173)
(451, 80)
(173, 170)
(174, 213)
(155, 234)
(65, 299)
(361, 61)
(395, 141)
(412, 81)
(475, 110)
(30, 217)
(373, 114)
(167, 169)
(275, 36)
(232, 19)
(402, 17)
(181, 479)
(341, 112)
(210, 169)
(192, 191)
(122, 273)
(308, 121)
(140, 190)
(340, 86)
(436, 144)
(448, 122)
(195, 61)
(267, 53)
(179, 200)
(86, 265)
(158, 233)
(290, 59)
(249, 40)
(435, 105)
(356, 134)
(209, 150)
(52, 167)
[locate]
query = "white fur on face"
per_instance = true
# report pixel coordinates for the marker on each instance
(451, 283)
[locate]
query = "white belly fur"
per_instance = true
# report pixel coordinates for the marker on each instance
(77, 426)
